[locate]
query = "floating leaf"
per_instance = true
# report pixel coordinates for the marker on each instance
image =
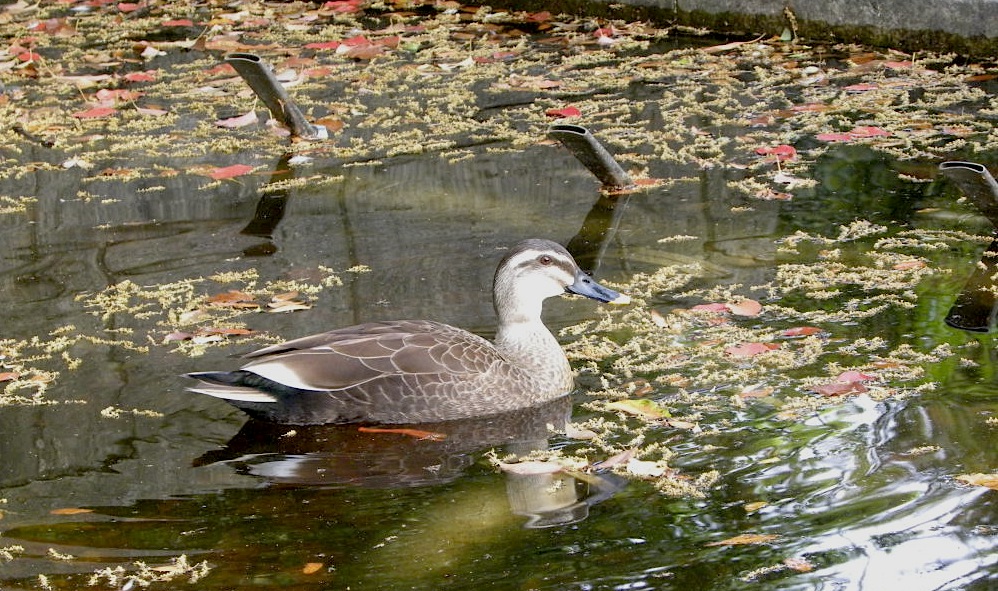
(782, 152)
(840, 388)
(642, 407)
(563, 112)
(750, 349)
(311, 568)
(978, 479)
(70, 511)
(228, 172)
(801, 331)
(8, 376)
(95, 113)
(616, 459)
(745, 539)
(247, 118)
(745, 307)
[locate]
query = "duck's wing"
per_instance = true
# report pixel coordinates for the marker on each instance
(350, 357)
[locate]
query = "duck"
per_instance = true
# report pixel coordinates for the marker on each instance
(421, 371)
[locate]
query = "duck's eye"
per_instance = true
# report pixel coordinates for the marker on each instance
(545, 260)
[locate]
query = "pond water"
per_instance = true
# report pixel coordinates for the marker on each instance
(113, 475)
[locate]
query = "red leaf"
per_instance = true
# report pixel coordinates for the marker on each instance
(563, 112)
(853, 376)
(834, 137)
(228, 172)
(95, 113)
(862, 87)
(750, 349)
(344, 6)
(28, 56)
(180, 22)
(147, 76)
(356, 41)
(868, 131)
(247, 118)
(128, 6)
(840, 388)
(8, 375)
(801, 331)
(782, 152)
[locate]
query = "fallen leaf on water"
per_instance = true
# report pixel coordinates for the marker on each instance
(754, 506)
(311, 568)
(745, 539)
(616, 459)
(801, 331)
(645, 468)
(417, 433)
(95, 113)
(852, 376)
(8, 375)
(782, 152)
(70, 511)
(840, 388)
(640, 407)
(745, 307)
(243, 120)
(563, 112)
(231, 298)
(750, 349)
(978, 479)
(228, 172)
(800, 565)
(755, 391)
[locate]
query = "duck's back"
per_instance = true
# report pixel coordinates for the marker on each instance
(387, 372)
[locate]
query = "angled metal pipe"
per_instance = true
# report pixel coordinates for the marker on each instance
(260, 77)
(592, 154)
(977, 184)
(976, 306)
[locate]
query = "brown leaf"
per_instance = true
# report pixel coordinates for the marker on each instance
(745, 539)
(70, 511)
(311, 568)
(745, 307)
(247, 118)
(746, 350)
(8, 375)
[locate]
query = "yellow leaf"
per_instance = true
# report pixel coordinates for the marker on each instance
(745, 539)
(70, 511)
(311, 568)
(648, 409)
(988, 480)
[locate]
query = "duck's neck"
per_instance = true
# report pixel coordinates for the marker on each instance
(524, 339)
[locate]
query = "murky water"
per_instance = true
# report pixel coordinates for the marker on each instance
(110, 471)
(843, 489)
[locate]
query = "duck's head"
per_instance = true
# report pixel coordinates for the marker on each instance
(536, 269)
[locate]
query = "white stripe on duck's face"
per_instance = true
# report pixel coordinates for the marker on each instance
(528, 276)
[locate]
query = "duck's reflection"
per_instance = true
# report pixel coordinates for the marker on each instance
(420, 455)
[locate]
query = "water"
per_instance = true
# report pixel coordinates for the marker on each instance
(110, 468)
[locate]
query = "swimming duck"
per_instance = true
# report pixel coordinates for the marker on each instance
(420, 371)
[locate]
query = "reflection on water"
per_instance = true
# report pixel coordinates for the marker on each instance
(863, 494)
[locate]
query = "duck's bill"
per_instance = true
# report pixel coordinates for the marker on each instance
(585, 286)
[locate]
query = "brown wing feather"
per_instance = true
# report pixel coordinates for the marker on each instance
(429, 352)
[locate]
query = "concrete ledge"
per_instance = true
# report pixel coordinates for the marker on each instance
(968, 27)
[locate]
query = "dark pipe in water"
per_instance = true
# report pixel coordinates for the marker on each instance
(976, 306)
(592, 154)
(261, 79)
(977, 184)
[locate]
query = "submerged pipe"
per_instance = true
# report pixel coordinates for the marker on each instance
(976, 306)
(261, 79)
(592, 154)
